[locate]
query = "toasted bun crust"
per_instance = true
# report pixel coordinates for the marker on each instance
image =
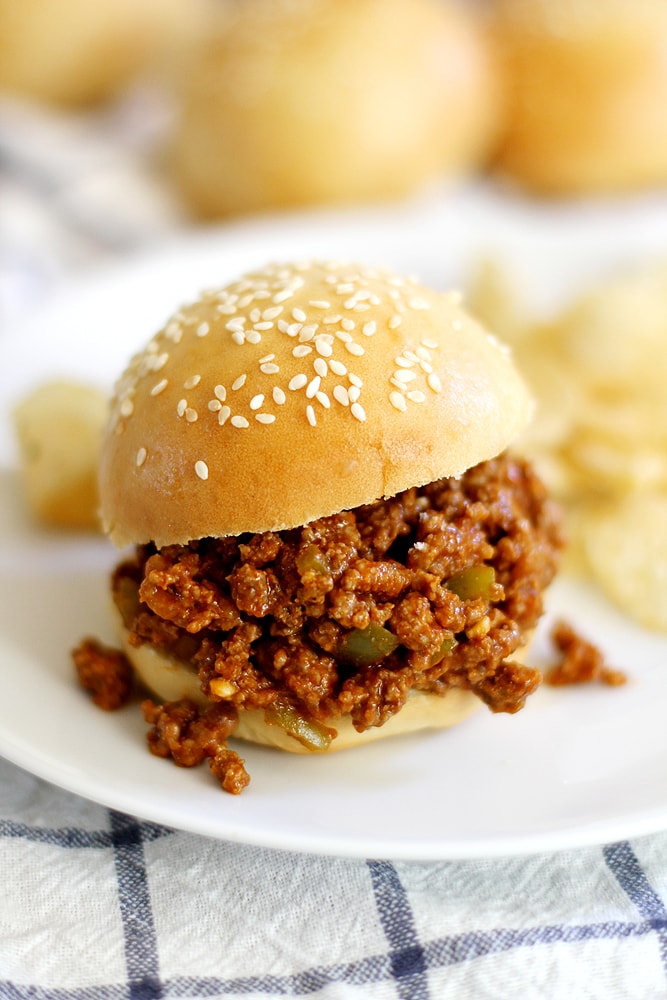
(606, 130)
(295, 393)
(172, 680)
(297, 102)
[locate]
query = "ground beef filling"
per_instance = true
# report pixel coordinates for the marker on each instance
(435, 588)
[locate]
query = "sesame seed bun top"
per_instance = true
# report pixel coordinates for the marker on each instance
(295, 392)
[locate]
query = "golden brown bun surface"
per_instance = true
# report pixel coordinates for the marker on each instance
(294, 393)
(297, 102)
(171, 680)
(587, 92)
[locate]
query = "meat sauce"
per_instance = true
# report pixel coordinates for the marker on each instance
(435, 588)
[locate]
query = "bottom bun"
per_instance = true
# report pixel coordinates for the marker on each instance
(171, 680)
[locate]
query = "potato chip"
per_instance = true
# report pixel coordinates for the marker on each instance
(598, 370)
(626, 548)
(58, 428)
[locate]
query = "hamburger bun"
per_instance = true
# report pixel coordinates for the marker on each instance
(298, 392)
(294, 393)
(294, 102)
(586, 94)
(74, 53)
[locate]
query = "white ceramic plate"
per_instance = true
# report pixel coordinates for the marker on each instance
(577, 766)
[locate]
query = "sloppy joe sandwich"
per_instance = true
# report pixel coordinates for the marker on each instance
(330, 540)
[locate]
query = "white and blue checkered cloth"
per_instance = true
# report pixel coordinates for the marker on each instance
(96, 905)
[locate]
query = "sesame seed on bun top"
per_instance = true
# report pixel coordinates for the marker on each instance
(295, 392)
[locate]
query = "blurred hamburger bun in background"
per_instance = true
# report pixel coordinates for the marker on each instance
(297, 102)
(76, 53)
(587, 94)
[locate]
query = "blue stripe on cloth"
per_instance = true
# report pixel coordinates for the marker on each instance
(71, 836)
(441, 953)
(624, 864)
(408, 967)
(141, 952)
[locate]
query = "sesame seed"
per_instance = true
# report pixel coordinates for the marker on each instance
(126, 408)
(297, 382)
(203, 329)
(239, 382)
(310, 414)
(253, 336)
(160, 362)
(307, 332)
(283, 326)
(395, 321)
(226, 308)
(299, 315)
(272, 312)
(323, 347)
(337, 367)
(224, 415)
(245, 300)
(313, 387)
(256, 401)
(282, 295)
(355, 380)
(238, 337)
(181, 407)
(417, 396)
(434, 382)
(239, 421)
(345, 288)
(279, 396)
(255, 315)
(220, 392)
(341, 395)
(423, 354)
(369, 328)
(294, 328)
(301, 350)
(426, 367)
(397, 400)
(321, 367)
(331, 320)
(201, 468)
(355, 349)
(265, 418)
(267, 357)
(264, 325)
(322, 398)
(141, 457)
(348, 324)
(432, 344)
(160, 387)
(262, 293)
(191, 382)
(358, 412)
(353, 393)
(235, 324)
(404, 375)
(404, 362)
(269, 368)
(418, 303)
(345, 338)
(319, 304)
(215, 405)
(191, 415)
